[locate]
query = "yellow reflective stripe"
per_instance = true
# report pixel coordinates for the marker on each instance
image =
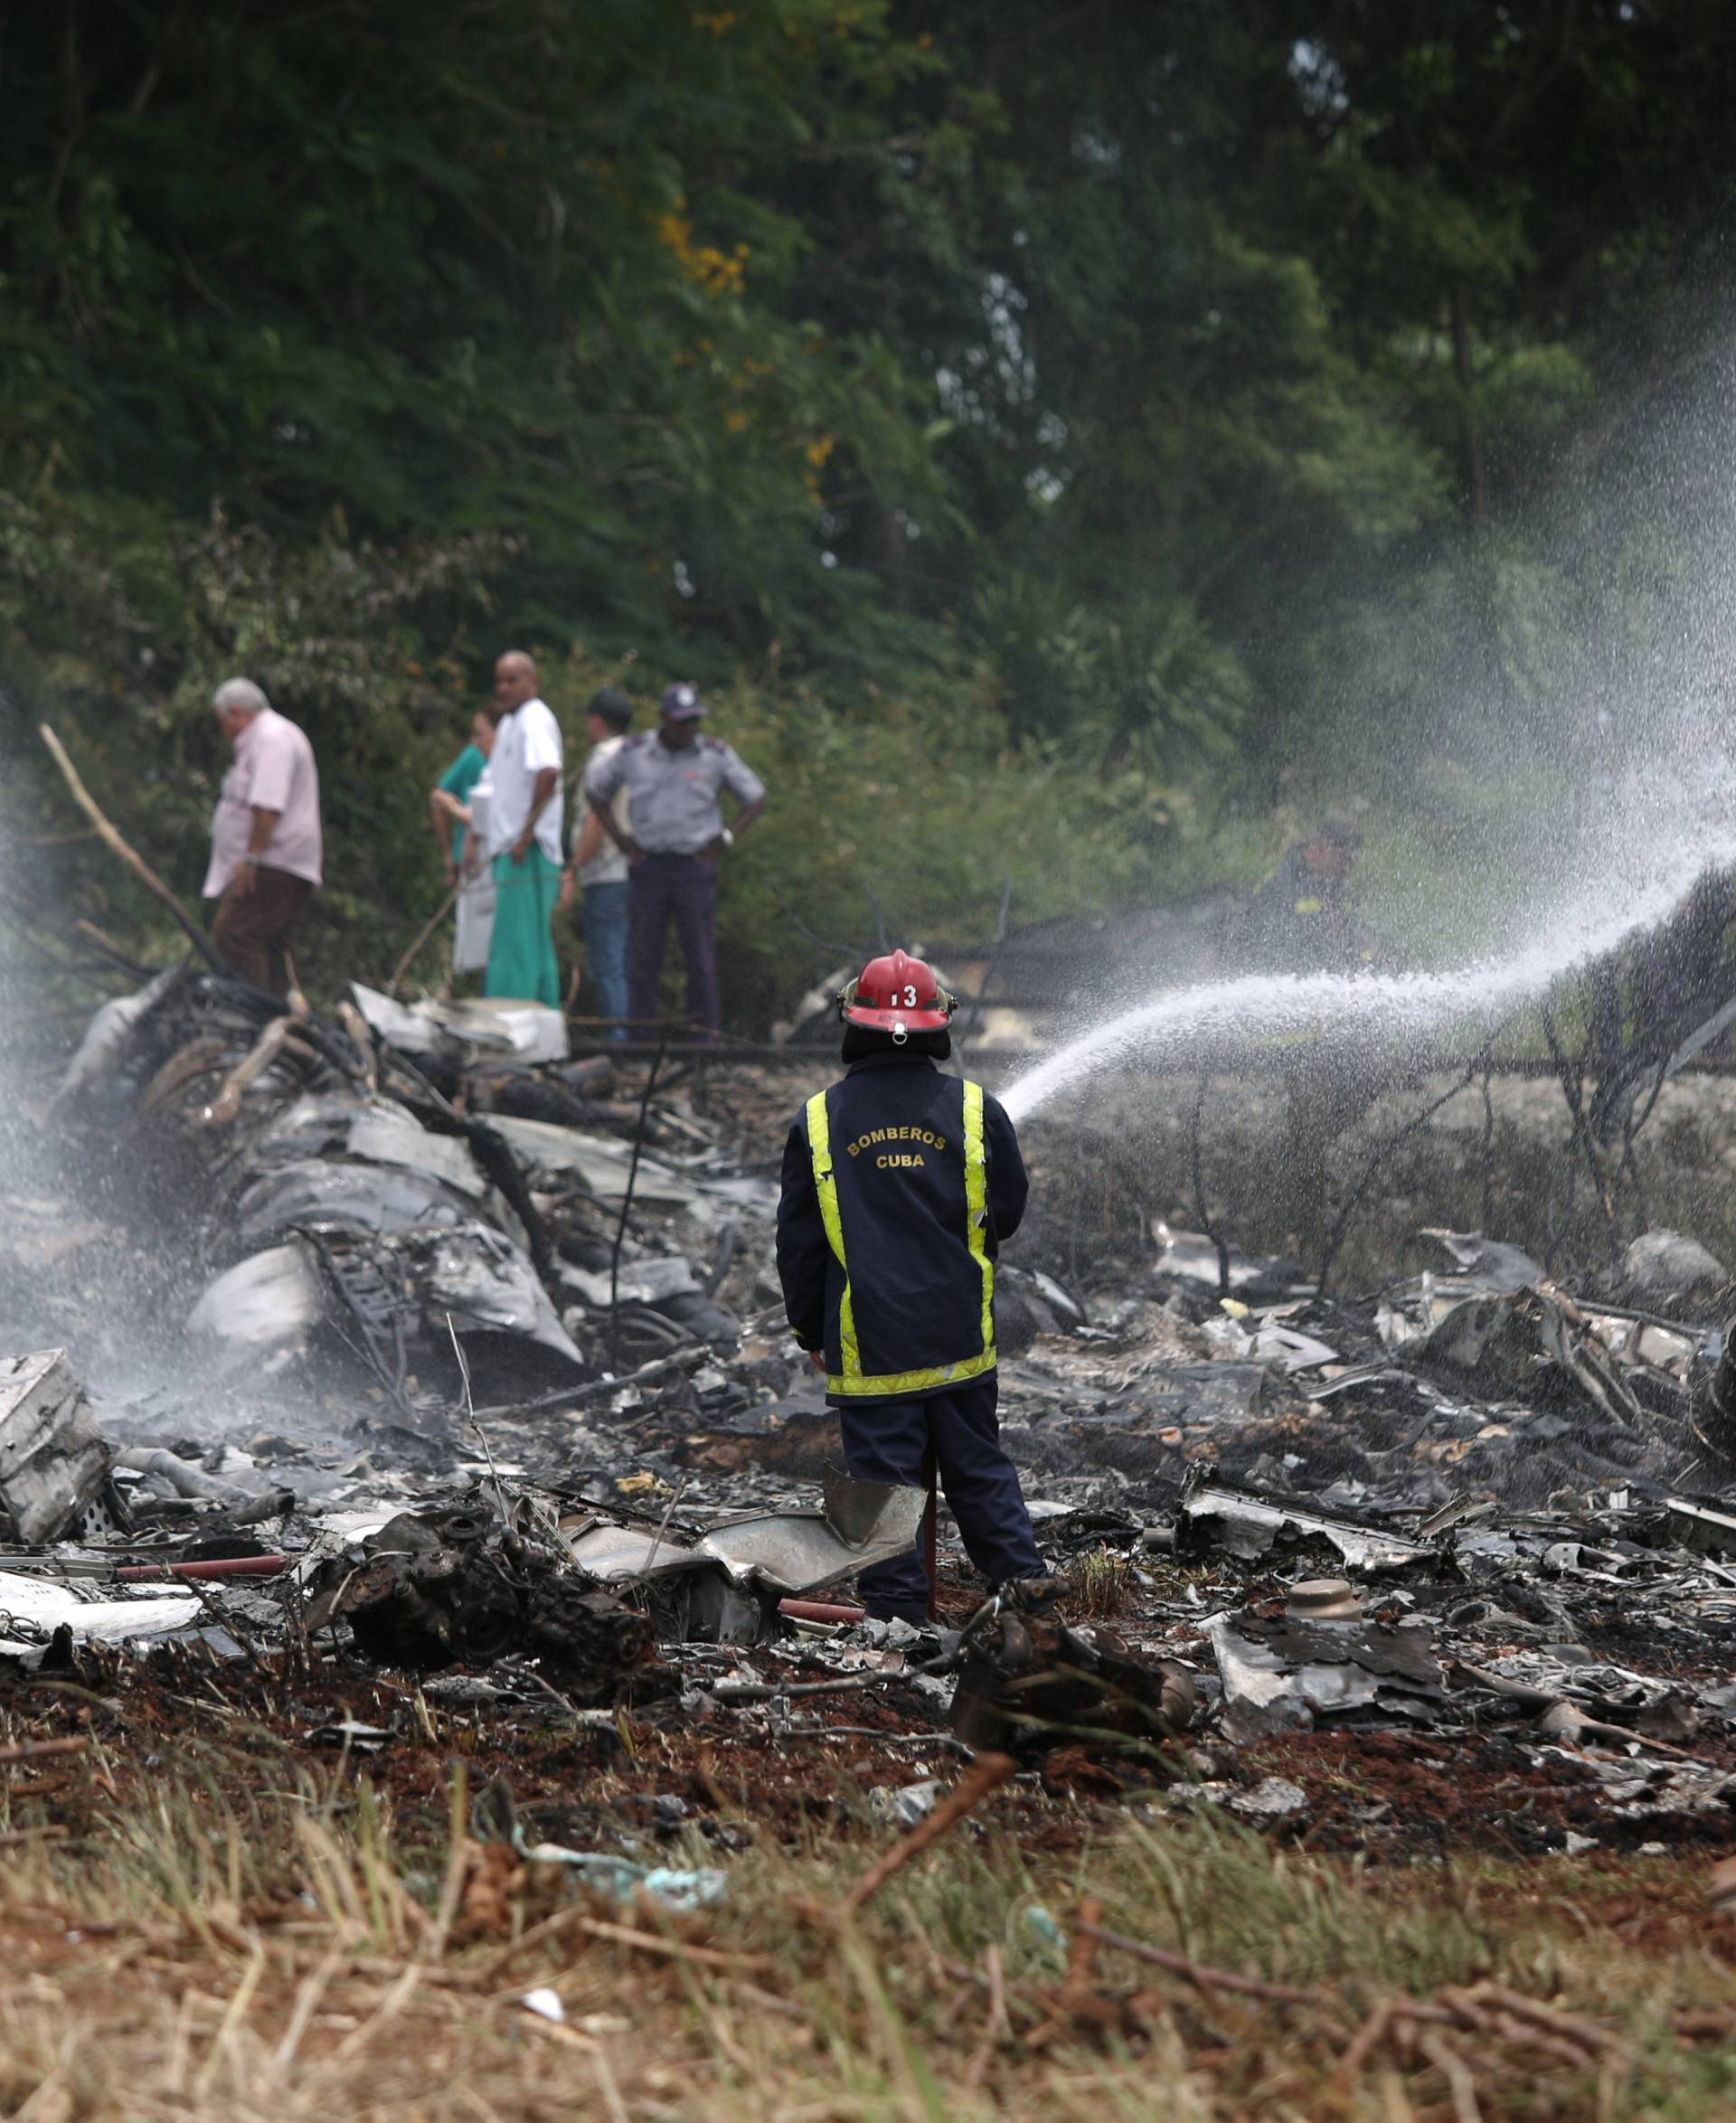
(819, 1144)
(896, 1382)
(977, 1207)
(820, 1148)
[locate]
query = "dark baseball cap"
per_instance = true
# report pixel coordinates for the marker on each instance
(613, 706)
(682, 704)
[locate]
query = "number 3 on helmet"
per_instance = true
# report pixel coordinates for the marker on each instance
(896, 993)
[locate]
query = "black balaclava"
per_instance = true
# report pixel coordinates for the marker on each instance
(860, 1041)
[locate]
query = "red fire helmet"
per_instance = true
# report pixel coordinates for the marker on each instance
(896, 993)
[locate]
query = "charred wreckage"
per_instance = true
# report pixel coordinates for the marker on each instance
(487, 1397)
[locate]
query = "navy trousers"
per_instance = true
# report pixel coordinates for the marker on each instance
(687, 888)
(887, 1441)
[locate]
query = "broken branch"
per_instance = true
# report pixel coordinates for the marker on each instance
(427, 930)
(709, 1956)
(1572, 2026)
(985, 1774)
(1203, 1976)
(28, 1750)
(135, 861)
(1456, 2072)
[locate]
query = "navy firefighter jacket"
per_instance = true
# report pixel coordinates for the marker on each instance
(898, 1184)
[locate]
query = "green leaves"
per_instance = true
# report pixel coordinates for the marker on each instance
(436, 263)
(1169, 382)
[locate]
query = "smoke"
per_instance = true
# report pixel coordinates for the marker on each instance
(1543, 721)
(87, 1261)
(31, 1194)
(1386, 1013)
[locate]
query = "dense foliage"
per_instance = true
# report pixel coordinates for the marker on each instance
(1060, 433)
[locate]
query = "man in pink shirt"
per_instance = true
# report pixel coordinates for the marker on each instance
(265, 841)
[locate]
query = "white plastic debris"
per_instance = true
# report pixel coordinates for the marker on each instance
(471, 1028)
(913, 1803)
(1273, 1798)
(674, 1888)
(40, 1605)
(1289, 1348)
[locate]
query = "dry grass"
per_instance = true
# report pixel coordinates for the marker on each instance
(233, 1949)
(1100, 1584)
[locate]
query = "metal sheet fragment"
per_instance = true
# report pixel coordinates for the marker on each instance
(1249, 1527)
(53, 1459)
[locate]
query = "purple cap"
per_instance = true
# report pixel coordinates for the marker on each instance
(682, 704)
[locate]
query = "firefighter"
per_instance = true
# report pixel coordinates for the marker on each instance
(1301, 919)
(899, 1185)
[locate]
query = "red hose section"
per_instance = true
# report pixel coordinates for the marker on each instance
(820, 1610)
(222, 1566)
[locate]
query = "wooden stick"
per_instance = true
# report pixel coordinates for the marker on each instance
(362, 1039)
(1465, 2008)
(226, 1106)
(985, 1774)
(1476, 2011)
(33, 1750)
(1361, 2046)
(678, 1950)
(1454, 2070)
(1573, 2025)
(427, 929)
(1206, 1978)
(124, 962)
(1525, 2034)
(136, 863)
(1702, 2027)
(1082, 1957)
(1410, 2008)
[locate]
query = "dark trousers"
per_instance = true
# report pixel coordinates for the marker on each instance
(253, 935)
(604, 910)
(687, 888)
(889, 1441)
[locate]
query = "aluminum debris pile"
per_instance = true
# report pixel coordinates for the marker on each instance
(1485, 1379)
(349, 1196)
(581, 1594)
(487, 1404)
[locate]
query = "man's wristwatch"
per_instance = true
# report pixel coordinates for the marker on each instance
(252, 862)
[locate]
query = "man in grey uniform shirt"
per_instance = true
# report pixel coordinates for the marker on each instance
(674, 778)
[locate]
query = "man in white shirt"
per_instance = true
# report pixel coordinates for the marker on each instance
(266, 847)
(524, 837)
